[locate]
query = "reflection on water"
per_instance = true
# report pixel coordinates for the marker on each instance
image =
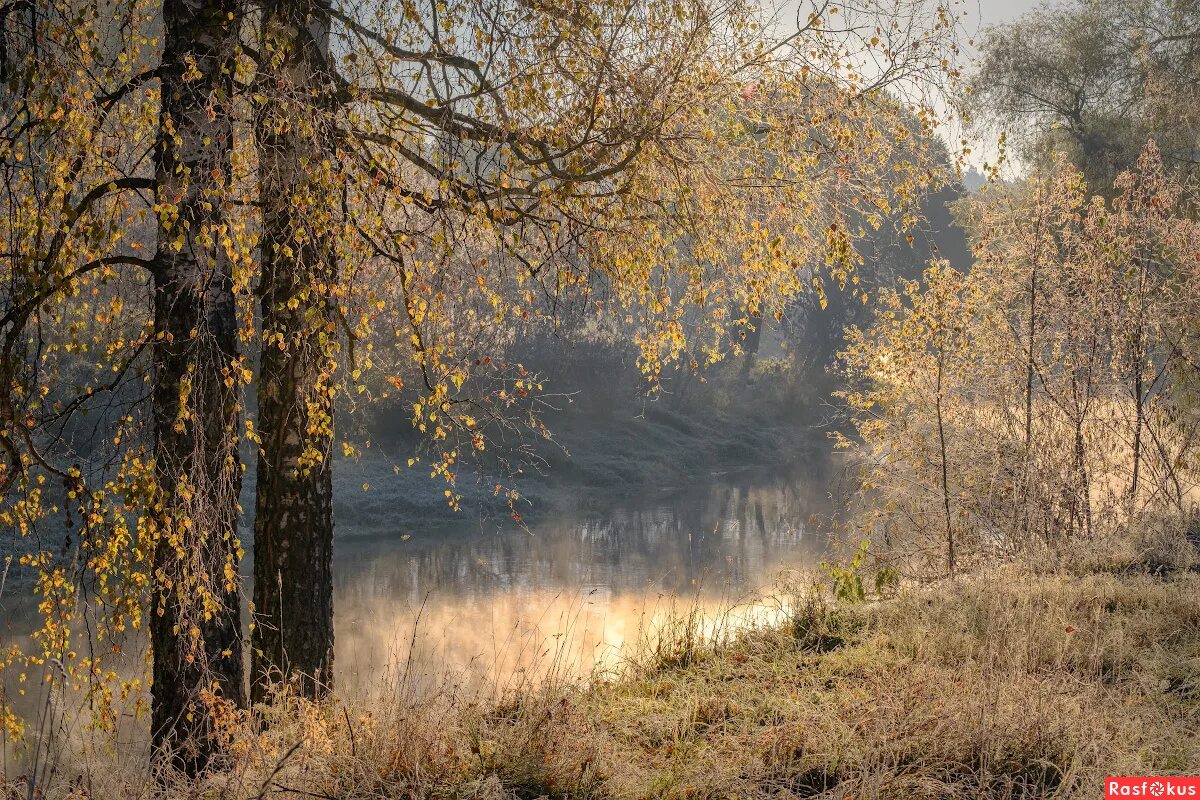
(577, 586)
(499, 604)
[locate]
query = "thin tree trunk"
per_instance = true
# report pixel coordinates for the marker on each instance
(751, 342)
(950, 555)
(195, 631)
(1029, 365)
(1023, 509)
(1137, 363)
(293, 528)
(1139, 415)
(1085, 489)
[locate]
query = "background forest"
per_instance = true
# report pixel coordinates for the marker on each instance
(272, 264)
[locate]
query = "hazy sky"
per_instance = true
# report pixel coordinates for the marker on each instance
(981, 13)
(991, 11)
(977, 14)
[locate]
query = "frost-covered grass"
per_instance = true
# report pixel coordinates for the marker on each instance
(1027, 680)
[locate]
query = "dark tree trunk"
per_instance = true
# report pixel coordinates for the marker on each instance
(195, 631)
(751, 341)
(1021, 510)
(1139, 421)
(951, 557)
(1029, 363)
(292, 639)
(1084, 483)
(1137, 361)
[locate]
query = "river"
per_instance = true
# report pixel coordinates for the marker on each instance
(496, 603)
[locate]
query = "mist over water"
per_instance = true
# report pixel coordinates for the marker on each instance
(493, 604)
(579, 585)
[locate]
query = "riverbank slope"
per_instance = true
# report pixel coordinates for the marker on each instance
(1030, 680)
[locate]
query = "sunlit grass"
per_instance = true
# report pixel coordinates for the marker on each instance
(1029, 680)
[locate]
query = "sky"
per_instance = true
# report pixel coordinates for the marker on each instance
(989, 12)
(976, 15)
(979, 14)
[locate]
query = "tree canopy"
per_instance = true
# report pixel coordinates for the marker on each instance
(204, 197)
(1095, 80)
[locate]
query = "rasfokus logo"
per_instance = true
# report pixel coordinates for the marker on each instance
(1152, 786)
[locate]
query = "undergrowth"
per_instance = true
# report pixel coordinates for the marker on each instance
(1023, 681)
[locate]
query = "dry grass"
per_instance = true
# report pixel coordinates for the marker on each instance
(1016, 682)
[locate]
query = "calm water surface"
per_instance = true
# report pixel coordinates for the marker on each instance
(498, 603)
(581, 584)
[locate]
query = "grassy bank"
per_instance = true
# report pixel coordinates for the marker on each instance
(1021, 681)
